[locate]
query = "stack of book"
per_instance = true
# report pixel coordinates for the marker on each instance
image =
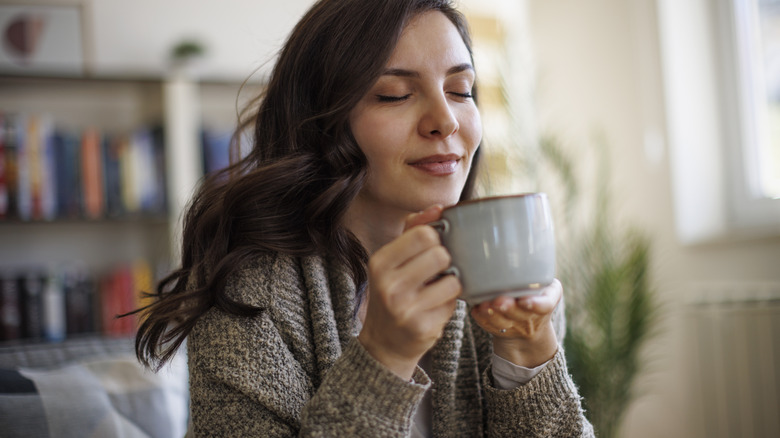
(52, 305)
(48, 173)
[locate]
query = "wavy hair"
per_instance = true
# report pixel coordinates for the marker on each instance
(290, 192)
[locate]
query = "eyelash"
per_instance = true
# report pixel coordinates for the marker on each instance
(383, 98)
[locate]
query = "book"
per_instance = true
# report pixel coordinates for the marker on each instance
(161, 200)
(10, 308)
(3, 169)
(24, 189)
(216, 150)
(38, 188)
(113, 149)
(10, 165)
(68, 174)
(128, 164)
(80, 300)
(143, 184)
(31, 285)
(147, 188)
(117, 298)
(53, 303)
(48, 170)
(92, 174)
(143, 283)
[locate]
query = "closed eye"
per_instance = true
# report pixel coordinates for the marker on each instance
(463, 95)
(384, 98)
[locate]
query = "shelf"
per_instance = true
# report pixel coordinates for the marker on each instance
(98, 244)
(78, 222)
(116, 106)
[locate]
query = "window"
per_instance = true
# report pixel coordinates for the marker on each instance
(721, 66)
(758, 44)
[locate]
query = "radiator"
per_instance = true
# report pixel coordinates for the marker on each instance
(734, 359)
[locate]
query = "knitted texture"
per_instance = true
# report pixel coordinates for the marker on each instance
(297, 369)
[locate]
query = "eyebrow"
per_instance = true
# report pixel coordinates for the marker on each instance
(413, 74)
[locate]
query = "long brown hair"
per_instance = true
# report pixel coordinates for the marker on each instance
(290, 192)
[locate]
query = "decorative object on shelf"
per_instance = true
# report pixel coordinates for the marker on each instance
(185, 57)
(187, 50)
(41, 38)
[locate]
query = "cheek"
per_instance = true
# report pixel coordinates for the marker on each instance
(375, 135)
(471, 129)
(362, 128)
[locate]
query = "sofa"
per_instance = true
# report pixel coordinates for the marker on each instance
(89, 387)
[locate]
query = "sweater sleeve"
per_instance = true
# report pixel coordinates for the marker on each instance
(359, 397)
(264, 391)
(547, 405)
(260, 376)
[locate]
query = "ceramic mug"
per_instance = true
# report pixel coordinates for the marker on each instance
(500, 246)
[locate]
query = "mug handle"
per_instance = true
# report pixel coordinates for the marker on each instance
(442, 226)
(452, 270)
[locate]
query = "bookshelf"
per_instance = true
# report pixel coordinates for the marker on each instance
(131, 243)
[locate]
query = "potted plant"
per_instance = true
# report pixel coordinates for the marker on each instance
(610, 303)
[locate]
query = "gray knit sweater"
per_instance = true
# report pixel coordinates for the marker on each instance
(298, 370)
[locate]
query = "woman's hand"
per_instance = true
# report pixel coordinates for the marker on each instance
(407, 311)
(522, 327)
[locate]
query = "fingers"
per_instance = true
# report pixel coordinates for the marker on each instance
(404, 286)
(540, 303)
(415, 256)
(406, 248)
(428, 215)
(489, 320)
(443, 291)
(401, 272)
(545, 302)
(507, 316)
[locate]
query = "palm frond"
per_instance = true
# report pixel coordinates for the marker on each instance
(611, 308)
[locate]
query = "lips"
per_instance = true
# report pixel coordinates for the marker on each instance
(439, 165)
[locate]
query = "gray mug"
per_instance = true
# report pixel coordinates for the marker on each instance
(500, 246)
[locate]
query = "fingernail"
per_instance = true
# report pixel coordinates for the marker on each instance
(504, 307)
(490, 311)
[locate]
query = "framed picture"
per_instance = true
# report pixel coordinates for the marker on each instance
(41, 38)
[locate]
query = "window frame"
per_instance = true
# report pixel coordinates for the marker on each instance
(711, 108)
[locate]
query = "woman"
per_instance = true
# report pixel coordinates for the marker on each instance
(308, 290)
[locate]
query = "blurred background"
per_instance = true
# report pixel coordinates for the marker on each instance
(652, 124)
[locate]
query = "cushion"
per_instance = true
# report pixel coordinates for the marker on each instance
(102, 395)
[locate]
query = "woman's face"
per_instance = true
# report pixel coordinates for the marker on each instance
(418, 125)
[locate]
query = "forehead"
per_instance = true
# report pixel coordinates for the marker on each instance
(429, 38)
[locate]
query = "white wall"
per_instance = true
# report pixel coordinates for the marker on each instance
(598, 67)
(130, 38)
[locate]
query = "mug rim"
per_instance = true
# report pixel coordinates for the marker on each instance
(495, 198)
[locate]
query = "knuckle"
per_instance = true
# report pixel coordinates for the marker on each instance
(453, 284)
(427, 236)
(442, 256)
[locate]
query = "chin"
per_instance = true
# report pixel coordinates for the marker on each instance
(446, 201)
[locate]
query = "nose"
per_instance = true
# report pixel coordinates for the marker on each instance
(437, 119)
